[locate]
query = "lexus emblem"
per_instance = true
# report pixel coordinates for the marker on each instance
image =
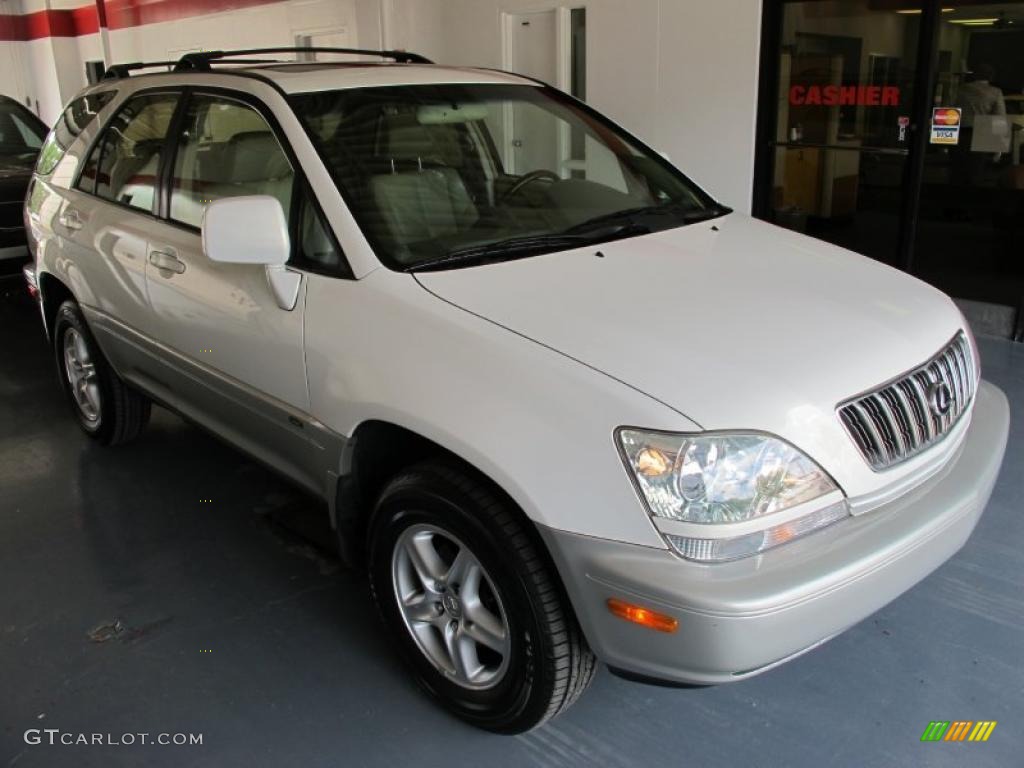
(940, 399)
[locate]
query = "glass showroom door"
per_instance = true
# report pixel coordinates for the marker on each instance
(970, 227)
(847, 70)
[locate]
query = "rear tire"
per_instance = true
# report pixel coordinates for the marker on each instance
(500, 647)
(106, 408)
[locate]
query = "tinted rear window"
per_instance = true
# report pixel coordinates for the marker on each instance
(70, 124)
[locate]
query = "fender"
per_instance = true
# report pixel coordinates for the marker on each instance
(529, 418)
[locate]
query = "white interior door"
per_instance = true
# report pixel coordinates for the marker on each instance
(532, 50)
(533, 47)
(328, 38)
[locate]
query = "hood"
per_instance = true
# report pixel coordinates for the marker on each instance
(735, 323)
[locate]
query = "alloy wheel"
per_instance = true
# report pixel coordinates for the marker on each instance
(450, 607)
(81, 374)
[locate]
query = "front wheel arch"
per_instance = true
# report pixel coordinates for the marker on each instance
(380, 450)
(377, 451)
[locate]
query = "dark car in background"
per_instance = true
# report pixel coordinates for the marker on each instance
(21, 137)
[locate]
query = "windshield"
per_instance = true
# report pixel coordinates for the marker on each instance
(448, 175)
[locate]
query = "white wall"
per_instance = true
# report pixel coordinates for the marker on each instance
(256, 27)
(681, 74)
(50, 71)
(15, 76)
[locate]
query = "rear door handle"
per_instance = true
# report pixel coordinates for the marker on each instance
(70, 219)
(166, 260)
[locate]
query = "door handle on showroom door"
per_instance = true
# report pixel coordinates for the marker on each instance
(167, 261)
(70, 219)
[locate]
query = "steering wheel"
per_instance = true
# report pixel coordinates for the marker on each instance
(530, 178)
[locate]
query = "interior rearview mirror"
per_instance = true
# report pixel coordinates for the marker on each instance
(252, 230)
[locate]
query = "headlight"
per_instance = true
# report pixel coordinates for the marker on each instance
(719, 497)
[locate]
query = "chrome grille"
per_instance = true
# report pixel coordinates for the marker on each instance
(902, 418)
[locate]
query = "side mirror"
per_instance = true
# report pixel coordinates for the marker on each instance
(252, 230)
(246, 230)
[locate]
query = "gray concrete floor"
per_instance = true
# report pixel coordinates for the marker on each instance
(237, 623)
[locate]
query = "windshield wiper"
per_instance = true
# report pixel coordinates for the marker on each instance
(521, 246)
(685, 215)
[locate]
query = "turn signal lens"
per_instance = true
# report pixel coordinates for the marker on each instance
(645, 617)
(725, 549)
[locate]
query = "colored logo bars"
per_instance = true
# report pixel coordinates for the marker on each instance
(958, 730)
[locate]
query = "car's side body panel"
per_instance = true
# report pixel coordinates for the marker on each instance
(105, 258)
(238, 358)
(536, 422)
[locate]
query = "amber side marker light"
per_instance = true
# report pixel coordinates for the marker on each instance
(645, 617)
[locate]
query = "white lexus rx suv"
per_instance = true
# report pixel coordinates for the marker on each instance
(562, 405)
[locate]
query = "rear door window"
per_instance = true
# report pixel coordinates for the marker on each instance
(124, 165)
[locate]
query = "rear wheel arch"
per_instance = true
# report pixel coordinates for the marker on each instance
(53, 293)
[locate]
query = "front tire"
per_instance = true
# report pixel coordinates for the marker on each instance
(106, 408)
(473, 603)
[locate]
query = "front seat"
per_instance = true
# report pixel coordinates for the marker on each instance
(420, 203)
(258, 166)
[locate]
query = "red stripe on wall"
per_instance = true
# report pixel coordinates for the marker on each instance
(118, 14)
(135, 13)
(86, 20)
(10, 27)
(34, 26)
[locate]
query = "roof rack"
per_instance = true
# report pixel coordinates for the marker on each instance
(118, 71)
(202, 60)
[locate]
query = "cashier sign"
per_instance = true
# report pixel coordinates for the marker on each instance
(945, 125)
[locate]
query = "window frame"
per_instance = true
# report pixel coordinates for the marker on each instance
(302, 190)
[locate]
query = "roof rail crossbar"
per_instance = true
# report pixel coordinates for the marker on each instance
(118, 71)
(201, 60)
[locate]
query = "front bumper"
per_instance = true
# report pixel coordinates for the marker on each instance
(737, 619)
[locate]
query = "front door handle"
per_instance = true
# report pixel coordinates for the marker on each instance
(70, 219)
(166, 260)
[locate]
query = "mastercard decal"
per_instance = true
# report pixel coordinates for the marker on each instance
(945, 125)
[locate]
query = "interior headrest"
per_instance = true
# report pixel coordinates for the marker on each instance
(256, 156)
